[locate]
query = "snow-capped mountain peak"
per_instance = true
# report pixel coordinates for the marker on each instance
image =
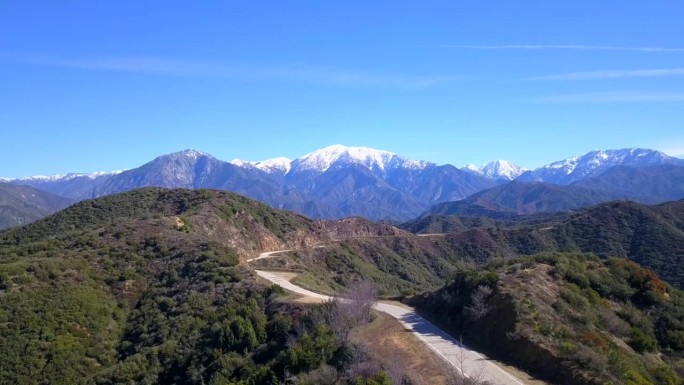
(321, 160)
(601, 158)
(501, 169)
(595, 162)
(280, 164)
(496, 170)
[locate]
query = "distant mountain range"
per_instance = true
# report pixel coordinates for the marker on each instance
(333, 182)
(648, 184)
(20, 205)
(594, 163)
(339, 181)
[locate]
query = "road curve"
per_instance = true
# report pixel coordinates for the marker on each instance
(268, 254)
(472, 363)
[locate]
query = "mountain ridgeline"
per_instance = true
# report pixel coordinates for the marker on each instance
(516, 198)
(595, 163)
(337, 182)
(653, 236)
(648, 184)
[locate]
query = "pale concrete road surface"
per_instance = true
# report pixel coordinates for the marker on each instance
(268, 254)
(472, 363)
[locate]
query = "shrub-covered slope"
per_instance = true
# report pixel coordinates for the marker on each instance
(398, 264)
(653, 236)
(570, 318)
(144, 287)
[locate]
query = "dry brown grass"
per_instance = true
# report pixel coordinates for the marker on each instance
(395, 347)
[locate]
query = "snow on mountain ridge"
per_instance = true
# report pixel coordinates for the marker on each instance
(189, 153)
(242, 163)
(502, 169)
(472, 168)
(280, 164)
(561, 172)
(593, 163)
(69, 176)
(321, 160)
(598, 158)
(496, 169)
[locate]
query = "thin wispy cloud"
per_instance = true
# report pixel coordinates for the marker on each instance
(334, 76)
(578, 47)
(613, 97)
(161, 66)
(612, 74)
(144, 64)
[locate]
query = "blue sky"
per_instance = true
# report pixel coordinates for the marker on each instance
(96, 85)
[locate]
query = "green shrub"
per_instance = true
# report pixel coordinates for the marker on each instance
(674, 339)
(665, 375)
(632, 377)
(379, 379)
(641, 342)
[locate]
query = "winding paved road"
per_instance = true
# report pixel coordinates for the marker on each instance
(472, 363)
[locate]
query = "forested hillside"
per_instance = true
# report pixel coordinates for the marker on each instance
(147, 287)
(653, 236)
